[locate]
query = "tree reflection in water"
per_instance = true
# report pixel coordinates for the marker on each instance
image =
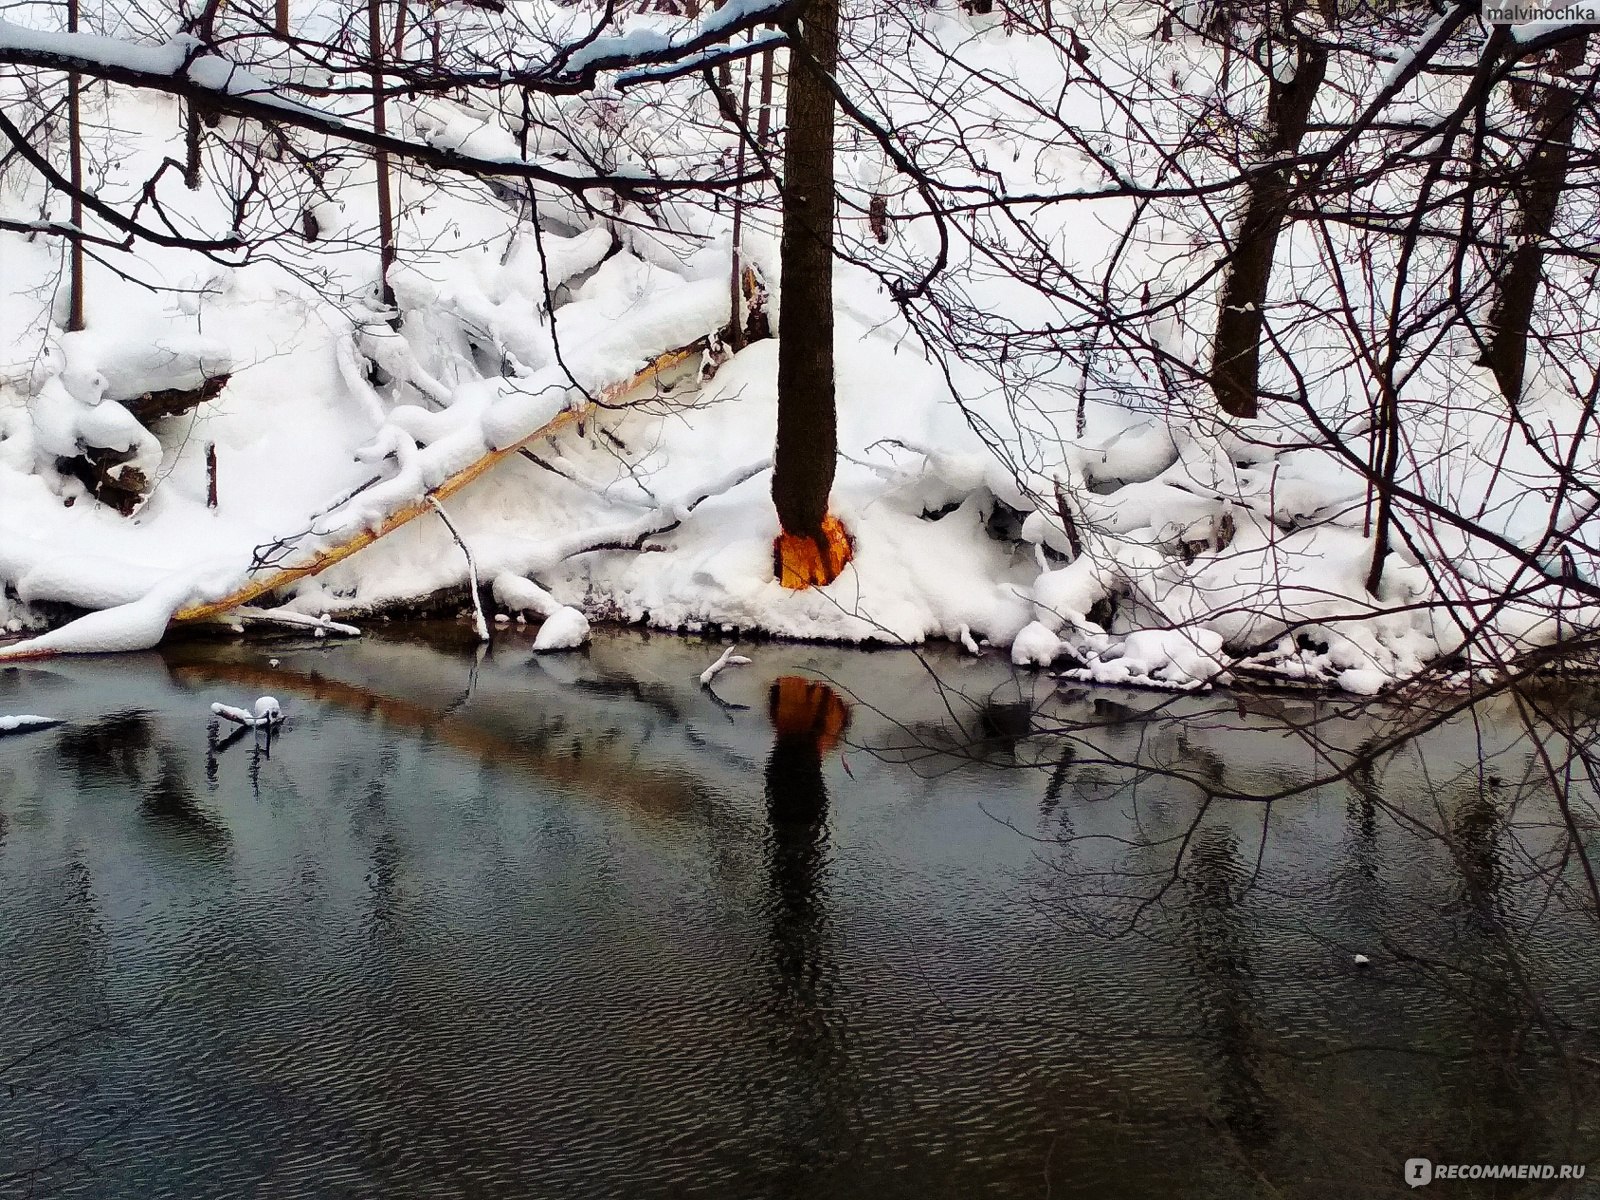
(808, 720)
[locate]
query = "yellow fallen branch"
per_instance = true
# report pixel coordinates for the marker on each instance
(261, 585)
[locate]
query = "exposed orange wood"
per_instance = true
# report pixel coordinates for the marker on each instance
(801, 561)
(261, 585)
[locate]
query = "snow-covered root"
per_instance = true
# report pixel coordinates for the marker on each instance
(728, 659)
(265, 713)
(968, 643)
(523, 595)
(26, 723)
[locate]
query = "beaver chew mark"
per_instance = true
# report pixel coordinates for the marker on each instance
(800, 560)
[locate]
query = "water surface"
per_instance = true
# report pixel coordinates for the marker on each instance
(477, 924)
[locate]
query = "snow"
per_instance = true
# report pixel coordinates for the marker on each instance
(649, 43)
(564, 629)
(166, 59)
(136, 625)
(1036, 645)
(1184, 659)
(130, 368)
(523, 595)
(766, 40)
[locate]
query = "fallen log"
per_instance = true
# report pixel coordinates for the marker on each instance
(320, 561)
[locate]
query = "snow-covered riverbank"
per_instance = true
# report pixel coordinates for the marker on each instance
(1062, 516)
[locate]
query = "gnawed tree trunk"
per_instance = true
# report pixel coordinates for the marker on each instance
(813, 547)
(1538, 189)
(380, 126)
(75, 317)
(1236, 348)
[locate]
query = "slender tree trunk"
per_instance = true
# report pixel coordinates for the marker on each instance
(400, 31)
(75, 319)
(764, 121)
(803, 465)
(193, 133)
(198, 118)
(1542, 178)
(736, 320)
(380, 126)
(1236, 349)
(281, 18)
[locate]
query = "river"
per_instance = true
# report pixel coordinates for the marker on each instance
(477, 923)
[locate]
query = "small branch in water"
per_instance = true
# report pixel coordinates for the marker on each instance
(728, 659)
(480, 624)
(26, 723)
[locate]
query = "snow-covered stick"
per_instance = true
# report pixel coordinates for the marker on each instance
(26, 723)
(728, 659)
(295, 620)
(479, 623)
(266, 713)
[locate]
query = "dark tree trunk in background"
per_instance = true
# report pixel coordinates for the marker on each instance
(803, 465)
(1538, 188)
(736, 337)
(281, 18)
(1236, 350)
(380, 126)
(764, 121)
(75, 318)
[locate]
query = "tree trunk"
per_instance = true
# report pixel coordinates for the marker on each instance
(380, 126)
(75, 317)
(1236, 350)
(1538, 186)
(281, 18)
(803, 465)
(735, 322)
(764, 121)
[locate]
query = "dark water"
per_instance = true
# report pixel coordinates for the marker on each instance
(480, 926)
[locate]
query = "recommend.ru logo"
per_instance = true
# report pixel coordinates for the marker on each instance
(1420, 1171)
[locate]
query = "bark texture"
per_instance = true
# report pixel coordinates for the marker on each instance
(1236, 349)
(380, 126)
(75, 316)
(803, 464)
(1542, 178)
